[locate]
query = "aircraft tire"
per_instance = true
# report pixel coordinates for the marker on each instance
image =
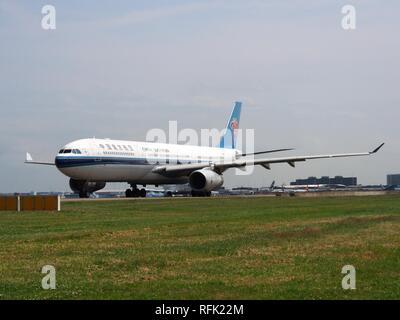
(128, 193)
(135, 193)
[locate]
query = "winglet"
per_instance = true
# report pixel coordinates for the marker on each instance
(28, 157)
(377, 149)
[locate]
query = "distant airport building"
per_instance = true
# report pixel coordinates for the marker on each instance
(347, 181)
(393, 179)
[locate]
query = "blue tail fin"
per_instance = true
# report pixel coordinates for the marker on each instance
(228, 139)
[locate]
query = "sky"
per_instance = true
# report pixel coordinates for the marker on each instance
(116, 69)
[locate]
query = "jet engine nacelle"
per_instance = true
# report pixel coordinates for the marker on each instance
(85, 187)
(205, 180)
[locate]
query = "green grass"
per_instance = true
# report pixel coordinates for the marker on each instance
(236, 248)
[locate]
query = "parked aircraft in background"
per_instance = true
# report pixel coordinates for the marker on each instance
(91, 163)
(309, 187)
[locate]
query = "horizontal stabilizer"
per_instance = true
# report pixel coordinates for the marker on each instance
(29, 159)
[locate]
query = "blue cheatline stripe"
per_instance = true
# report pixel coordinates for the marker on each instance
(67, 162)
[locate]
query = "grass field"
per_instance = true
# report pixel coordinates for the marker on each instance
(237, 248)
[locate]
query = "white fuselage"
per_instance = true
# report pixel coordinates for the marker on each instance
(131, 161)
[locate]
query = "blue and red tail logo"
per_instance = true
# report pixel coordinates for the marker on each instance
(234, 124)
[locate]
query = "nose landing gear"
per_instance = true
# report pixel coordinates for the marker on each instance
(134, 192)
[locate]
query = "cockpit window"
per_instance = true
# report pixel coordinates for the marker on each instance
(67, 151)
(61, 151)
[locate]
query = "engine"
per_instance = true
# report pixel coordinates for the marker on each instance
(84, 188)
(205, 180)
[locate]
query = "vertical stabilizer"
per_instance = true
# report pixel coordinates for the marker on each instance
(228, 140)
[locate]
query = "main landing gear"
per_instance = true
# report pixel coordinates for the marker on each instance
(134, 192)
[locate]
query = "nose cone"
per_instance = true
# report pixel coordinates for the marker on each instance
(57, 161)
(62, 161)
(63, 164)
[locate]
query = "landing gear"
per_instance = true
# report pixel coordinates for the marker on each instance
(142, 193)
(201, 193)
(128, 193)
(135, 192)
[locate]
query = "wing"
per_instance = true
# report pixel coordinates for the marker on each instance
(29, 159)
(185, 169)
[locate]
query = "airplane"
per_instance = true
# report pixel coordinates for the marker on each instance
(91, 163)
(309, 187)
(269, 189)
